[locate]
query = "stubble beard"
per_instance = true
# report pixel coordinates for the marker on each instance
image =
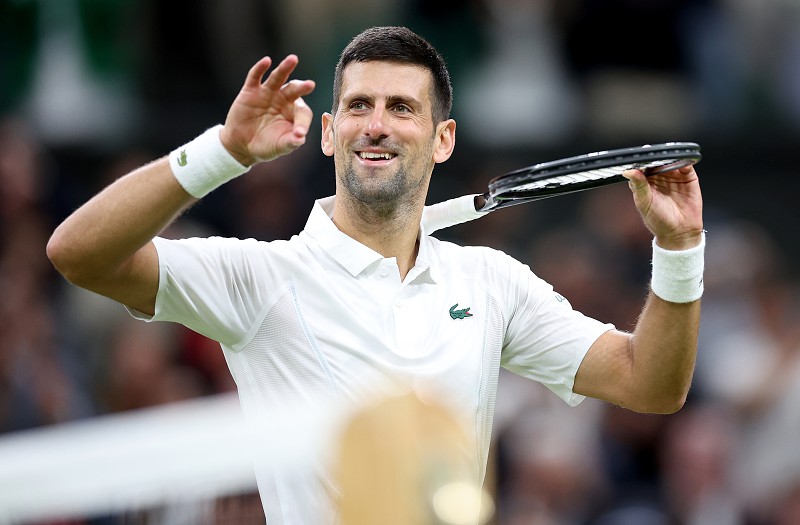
(383, 198)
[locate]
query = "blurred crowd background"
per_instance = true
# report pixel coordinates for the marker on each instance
(90, 89)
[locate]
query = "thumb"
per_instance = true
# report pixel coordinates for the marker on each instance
(637, 182)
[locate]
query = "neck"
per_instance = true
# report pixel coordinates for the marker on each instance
(391, 231)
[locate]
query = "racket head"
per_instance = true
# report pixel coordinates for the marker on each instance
(583, 172)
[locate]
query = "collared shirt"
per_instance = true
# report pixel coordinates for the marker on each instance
(321, 315)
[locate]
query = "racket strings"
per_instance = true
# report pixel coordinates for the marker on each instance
(585, 172)
(588, 175)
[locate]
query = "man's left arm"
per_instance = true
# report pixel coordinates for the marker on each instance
(651, 369)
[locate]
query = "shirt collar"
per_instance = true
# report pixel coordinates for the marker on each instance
(351, 254)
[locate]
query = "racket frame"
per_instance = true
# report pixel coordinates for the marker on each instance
(651, 159)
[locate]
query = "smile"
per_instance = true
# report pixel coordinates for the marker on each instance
(369, 155)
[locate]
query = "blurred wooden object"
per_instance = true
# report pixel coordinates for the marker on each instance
(407, 462)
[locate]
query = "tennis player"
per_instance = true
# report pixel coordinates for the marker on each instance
(364, 296)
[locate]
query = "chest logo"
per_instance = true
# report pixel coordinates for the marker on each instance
(459, 314)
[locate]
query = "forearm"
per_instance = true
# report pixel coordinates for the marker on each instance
(108, 230)
(664, 343)
(106, 246)
(663, 349)
(651, 369)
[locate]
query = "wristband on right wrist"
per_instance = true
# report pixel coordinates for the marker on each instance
(678, 274)
(204, 164)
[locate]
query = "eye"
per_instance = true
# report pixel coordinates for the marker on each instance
(401, 108)
(357, 105)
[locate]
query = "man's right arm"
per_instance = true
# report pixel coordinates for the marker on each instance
(106, 245)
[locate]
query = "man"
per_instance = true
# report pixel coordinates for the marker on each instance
(363, 296)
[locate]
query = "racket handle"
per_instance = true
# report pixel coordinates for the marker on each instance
(450, 212)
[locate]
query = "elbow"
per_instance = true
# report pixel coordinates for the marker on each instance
(56, 252)
(62, 257)
(672, 406)
(666, 403)
(674, 399)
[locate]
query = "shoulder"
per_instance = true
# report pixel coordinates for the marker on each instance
(210, 244)
(226, 243)
(476, 261)
(223, 250)
(473, 253)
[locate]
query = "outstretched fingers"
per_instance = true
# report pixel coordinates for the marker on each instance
(269, 117)
(257, 72)
(280, 74)
(277, 78)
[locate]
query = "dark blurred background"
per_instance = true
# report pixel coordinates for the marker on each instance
(90, 89)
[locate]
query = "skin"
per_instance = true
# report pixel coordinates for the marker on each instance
(106, 245)
(651, 369)
(385, 108)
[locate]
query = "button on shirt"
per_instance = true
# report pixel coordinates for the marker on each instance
(321, 315)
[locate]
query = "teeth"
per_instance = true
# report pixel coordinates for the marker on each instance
(375, 156)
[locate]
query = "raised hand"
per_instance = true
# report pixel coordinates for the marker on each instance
(671, 205)
(268, 119)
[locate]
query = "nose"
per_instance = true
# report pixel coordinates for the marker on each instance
(377, 126)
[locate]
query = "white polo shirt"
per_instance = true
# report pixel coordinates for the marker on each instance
(322, 315)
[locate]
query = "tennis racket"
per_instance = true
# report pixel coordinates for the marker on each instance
(584, 172)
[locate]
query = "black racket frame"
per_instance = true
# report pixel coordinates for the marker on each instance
(502, 192)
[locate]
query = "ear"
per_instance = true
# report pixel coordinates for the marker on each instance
(327, 134)
(446, 140)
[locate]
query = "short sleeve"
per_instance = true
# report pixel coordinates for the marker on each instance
(546, 339)
(209, 285)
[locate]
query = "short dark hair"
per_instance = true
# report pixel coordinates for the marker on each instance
(398, 44)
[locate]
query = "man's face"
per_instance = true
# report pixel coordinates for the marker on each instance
(383, 138)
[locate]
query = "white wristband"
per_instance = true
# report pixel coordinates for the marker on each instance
(204, 164)
(678, 275)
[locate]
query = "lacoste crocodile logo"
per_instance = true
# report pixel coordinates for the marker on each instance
(460, 314)
(182, 159)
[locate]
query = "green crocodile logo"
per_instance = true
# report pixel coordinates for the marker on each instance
(459, 314)
(182, 159)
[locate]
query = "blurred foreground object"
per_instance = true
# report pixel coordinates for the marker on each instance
(405, 462)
